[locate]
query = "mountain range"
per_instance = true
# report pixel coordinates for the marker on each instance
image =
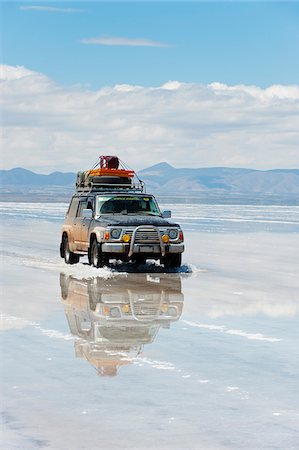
(163, 179)
(24, 177)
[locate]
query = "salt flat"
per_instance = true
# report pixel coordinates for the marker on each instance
(206, 358)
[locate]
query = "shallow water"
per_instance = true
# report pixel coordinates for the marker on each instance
(133, 357)
(196, 217)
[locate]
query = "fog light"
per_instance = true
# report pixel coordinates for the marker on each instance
(165, 238)
(125, 308)
(126, 238)
(164, 307)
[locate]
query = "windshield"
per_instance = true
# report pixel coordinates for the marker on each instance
(128, 205)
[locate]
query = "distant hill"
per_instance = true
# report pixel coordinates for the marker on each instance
(24, 177)
(24, 185)
(163, 179)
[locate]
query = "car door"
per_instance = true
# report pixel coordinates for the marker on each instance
(86, 224)
(69, 221)
(78, 222)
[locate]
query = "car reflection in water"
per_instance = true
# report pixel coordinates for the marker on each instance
(114, 318)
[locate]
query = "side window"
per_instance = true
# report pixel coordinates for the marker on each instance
(73, 207)
(90, 204)
(82, 205)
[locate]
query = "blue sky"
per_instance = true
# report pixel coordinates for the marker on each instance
(197, 84)
(234, 43)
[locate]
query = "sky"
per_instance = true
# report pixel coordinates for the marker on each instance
(195, 84)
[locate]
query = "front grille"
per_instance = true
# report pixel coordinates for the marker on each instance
(145, 236)
(145, 309)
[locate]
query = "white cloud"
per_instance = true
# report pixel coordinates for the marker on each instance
(14, 72)
(50, 9)
(113, 40)
(172, 85)
(49, 127)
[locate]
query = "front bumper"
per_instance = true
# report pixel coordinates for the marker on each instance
(145, 240)
(155, 249)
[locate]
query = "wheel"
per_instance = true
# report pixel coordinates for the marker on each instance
(94, 293)
(97, 259)
(64, 285)
(69, 257)
(173, 261)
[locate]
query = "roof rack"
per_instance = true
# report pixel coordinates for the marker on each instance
(109, 174)
(92, 187)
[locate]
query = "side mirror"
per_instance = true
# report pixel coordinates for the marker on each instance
(87, 213)
(166, 214)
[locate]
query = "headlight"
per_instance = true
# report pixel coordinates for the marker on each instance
(115, 233)
(173, 234)
(172, 311)
(114, 312)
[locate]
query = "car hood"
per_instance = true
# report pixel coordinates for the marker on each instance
(134, 221)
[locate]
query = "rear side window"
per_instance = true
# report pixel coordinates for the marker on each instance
(73, 208)
(82, 205)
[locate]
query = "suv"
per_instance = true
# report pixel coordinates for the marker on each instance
(120, 223)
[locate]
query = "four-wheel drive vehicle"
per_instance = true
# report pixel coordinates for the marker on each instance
(112, 218)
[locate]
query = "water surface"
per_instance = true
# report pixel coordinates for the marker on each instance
(133, 357)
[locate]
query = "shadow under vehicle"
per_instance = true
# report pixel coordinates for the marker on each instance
(114, 318)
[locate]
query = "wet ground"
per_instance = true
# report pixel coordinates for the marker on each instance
(132, 357)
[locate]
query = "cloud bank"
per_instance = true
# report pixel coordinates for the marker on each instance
(50, 9)
(49, 127)
(113, 40)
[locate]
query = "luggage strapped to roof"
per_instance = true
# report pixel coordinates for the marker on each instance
(109, 173)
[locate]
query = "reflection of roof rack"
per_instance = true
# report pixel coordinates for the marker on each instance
(109, 173)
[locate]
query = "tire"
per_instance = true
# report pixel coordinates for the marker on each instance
(64, 285)
(94, 293)
(173, 261)
(96, 258)
(69, 257)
